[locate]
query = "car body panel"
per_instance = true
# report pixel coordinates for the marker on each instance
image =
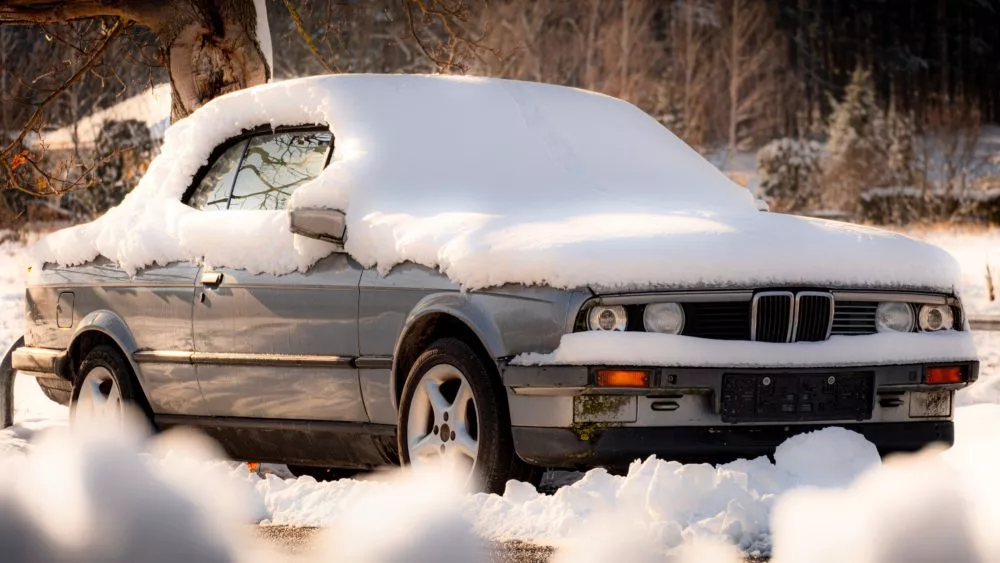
(506, 321)
(386, 303)
(157, 303)
(311, 315)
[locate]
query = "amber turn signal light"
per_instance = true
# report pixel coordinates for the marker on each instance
(622, 378)
(944, 374)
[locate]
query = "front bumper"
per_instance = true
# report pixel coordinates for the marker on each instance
(560, 447)
(560, 418)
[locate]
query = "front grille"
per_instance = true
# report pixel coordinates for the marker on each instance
(854, 318)
(722, 320)
(813, 316)
(772, 316)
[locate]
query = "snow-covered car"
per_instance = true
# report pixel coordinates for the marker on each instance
(350, 271)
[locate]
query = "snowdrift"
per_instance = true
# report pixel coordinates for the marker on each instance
(492, 181)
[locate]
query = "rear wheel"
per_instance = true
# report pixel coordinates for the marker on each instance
(453, 412)
(105, 388)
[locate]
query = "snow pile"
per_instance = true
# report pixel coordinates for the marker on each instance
(929, 507)
(987, 389)
(975, 251)
(652, 349)
(88, 497)
(493, 181)
(151, 107)
(91, 494)
(663, 505)
(411, 518)
(11, 294)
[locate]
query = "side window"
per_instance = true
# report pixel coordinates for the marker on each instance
(275, 165)
(213, 190)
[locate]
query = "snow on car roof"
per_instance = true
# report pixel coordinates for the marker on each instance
(493, 181)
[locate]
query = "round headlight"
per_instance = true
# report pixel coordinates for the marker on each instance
(894, 317)
(608, 318)
(936, 317)
(663, 317)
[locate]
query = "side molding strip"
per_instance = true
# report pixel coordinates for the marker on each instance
(211, 358)
(276, 424)
(373, 362)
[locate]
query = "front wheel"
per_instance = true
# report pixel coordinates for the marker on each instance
(453, 412)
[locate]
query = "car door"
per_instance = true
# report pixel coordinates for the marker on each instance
(279, 346)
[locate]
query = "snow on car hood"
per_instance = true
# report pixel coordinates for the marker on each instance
(492, 181)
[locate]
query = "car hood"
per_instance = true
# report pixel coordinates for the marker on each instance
(749, 251)
(691, 250)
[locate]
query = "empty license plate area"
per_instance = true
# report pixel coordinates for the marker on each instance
(792, 397)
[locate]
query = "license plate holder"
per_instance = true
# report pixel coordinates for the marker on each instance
(785, 397)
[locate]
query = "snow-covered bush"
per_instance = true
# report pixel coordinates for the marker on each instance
(858, 144)
(904, 205)
(789, 170)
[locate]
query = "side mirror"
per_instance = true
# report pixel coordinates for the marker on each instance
(323, 224)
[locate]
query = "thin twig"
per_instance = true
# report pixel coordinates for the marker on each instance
(307, 37)
(95, 56)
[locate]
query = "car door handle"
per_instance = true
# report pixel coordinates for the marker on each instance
(211, 279)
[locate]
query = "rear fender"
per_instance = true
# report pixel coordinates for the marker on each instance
(112, 326)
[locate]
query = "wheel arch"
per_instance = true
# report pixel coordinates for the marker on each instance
(101, 327)
(432, 322)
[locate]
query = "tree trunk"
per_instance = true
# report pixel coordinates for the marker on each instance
(209, 47)
(735, 79)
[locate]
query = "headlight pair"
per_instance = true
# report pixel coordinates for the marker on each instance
(896, 316)
(667, 318)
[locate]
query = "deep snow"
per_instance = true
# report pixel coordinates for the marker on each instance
(798, 507)
(492, 181)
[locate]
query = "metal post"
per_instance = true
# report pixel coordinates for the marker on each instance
(7, 374)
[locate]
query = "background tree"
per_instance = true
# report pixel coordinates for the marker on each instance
(726, 75)
(858, 143)
(56, 63)
(753, 56)
(209, 47)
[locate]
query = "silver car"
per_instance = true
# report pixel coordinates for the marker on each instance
(342, 367)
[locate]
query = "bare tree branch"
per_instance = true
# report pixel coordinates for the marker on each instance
(307, 37)
(95, 55)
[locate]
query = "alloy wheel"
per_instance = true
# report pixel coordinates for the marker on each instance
(100, 397)
(443, 423)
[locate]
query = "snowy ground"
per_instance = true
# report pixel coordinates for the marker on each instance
(826, 497)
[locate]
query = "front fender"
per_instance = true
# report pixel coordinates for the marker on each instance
(460, 306)
(507, 321)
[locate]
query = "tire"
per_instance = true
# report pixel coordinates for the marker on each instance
(106, 367)
(495, 461)
(57, 390)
